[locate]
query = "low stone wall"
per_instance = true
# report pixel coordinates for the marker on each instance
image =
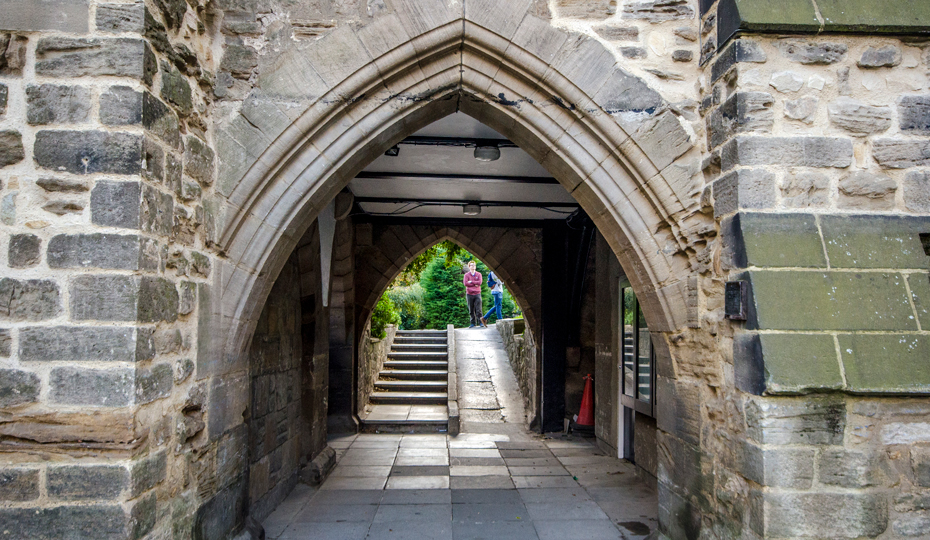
(371, 356)
(521, 350)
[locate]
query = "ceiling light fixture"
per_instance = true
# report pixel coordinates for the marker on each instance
(472, 209)
(487, 153)
(392, 151)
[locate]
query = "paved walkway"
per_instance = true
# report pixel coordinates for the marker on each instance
(493, 481)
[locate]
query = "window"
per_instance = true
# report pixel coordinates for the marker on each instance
(637, 359)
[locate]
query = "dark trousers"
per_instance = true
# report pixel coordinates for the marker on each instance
(474, 308)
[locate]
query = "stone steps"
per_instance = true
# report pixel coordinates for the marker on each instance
(409, 398)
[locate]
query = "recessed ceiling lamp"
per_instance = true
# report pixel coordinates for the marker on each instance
(487, 153)
(393, 151)
(472, 209)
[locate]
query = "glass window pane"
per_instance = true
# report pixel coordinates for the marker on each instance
(629, 343)
(644, 361)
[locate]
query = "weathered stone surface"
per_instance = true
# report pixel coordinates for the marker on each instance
(57, 104)
(120, 18)
(803, 109)
(920, 459)
(850, 469)
(110, 251)
(153, 161)
(901, 154)
(741, 50)
(859, 118)
(154, 383)
(686, 33)
(6, 343)
(60, 208)
(917, 191)
(744, 189)
(663, 137)
(682, 55)
(658, 10)
(878, 57)
(834, 300)
(59, 185)
(18, 387)
(591, 10)
(811, 420)
(867, 191)
(173, 11)
(788, 240)
(19, 485)
(101, 522)
(25, 250)
(157, 211)
(143, 516)
(60, 15)
(12, 54)
(625, 93)
(160, 120)
(4, 97)
(805, 189)
(173, 171)
(778, 467)
(886, 364)
(83, 482)
(87, 152)
(774, 364)
(176, 90)
(239, 60)
(613, 32)
(120, 106)
(825, 515)
(11, 148)
(116, 204)
(743, 111)
(148, 473)
(198, 160)
(104, 298)
(786, 81)
(85, 343)
(813, 53)
(81, 57)
(914, 114)
(95, 387)
(158, 300)
(633, 52)
(29, 299)
(874, 241)
(823, 152)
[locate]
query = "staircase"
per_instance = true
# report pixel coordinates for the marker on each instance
(415, 373)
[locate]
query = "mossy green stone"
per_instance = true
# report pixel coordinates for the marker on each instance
(886, 363)
(920, 292)
(788, 240)
(798, 364)
(782, 15)
(798, 300)
(875, 241)
(868, 15)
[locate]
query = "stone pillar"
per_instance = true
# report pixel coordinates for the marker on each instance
(342, 336)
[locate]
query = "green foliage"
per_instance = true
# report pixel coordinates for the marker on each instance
(408, 301)
(443, 295)
(383, 315)
(451, 252)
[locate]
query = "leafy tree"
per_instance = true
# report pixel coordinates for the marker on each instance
(408, 301)
(383, 315)
(443, 295)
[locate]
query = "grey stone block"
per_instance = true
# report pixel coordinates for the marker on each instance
(859, 118)
(825, 515)
(744, 150)
(116, 204)
(19, 485)
(744, 189)
(106, 251)
(176, 90)
(100, 522)
(917, 191)
(14, 59)
(4, 97)
(813, 53)
(6, 343)
(864, 190)
(157, 211)
(658, 10)
(154, 383)
(740, 50)
(777, 467)
(25, 250)
(239, 60)
(803, 109)
(875, 241)
(680, 413)
(11, 148)
(142, 517)
(901, 154)
(188, 298)
(120, 18)
(82, 57)
(159, 119)
(805, 189)
(809, 420)
(95, 387)
(890, 364)
(682, 55)
(18, 387)
(173, 171)
(920, 459)
(850, 469)
(743, 111)
(87, 152)
(59, 185)
(85, 343)
(29, 300)
(57, 104)
(878, 57)
(104, 298)
(148, 473)
(613, 32)
(69, 16)
(788, 240)
(87, 482)
(773, 364)
(158, 300)
(183, 369)
(626, 93)
(120, 106)
(198, 160)
(633, 53)
(914, 114)
(663, 139)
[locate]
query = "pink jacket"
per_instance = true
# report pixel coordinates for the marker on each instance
(472, 283)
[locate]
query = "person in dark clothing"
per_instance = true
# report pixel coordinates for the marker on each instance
(497, 293)
(472, 281)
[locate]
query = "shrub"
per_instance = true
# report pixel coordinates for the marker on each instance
(383, 315)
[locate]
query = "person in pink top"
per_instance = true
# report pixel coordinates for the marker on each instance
(472, 281)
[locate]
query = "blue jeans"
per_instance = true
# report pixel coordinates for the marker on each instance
(498, 298)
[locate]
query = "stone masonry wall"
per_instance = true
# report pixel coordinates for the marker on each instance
(276, 422)
(371, 356)
(523, 356)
